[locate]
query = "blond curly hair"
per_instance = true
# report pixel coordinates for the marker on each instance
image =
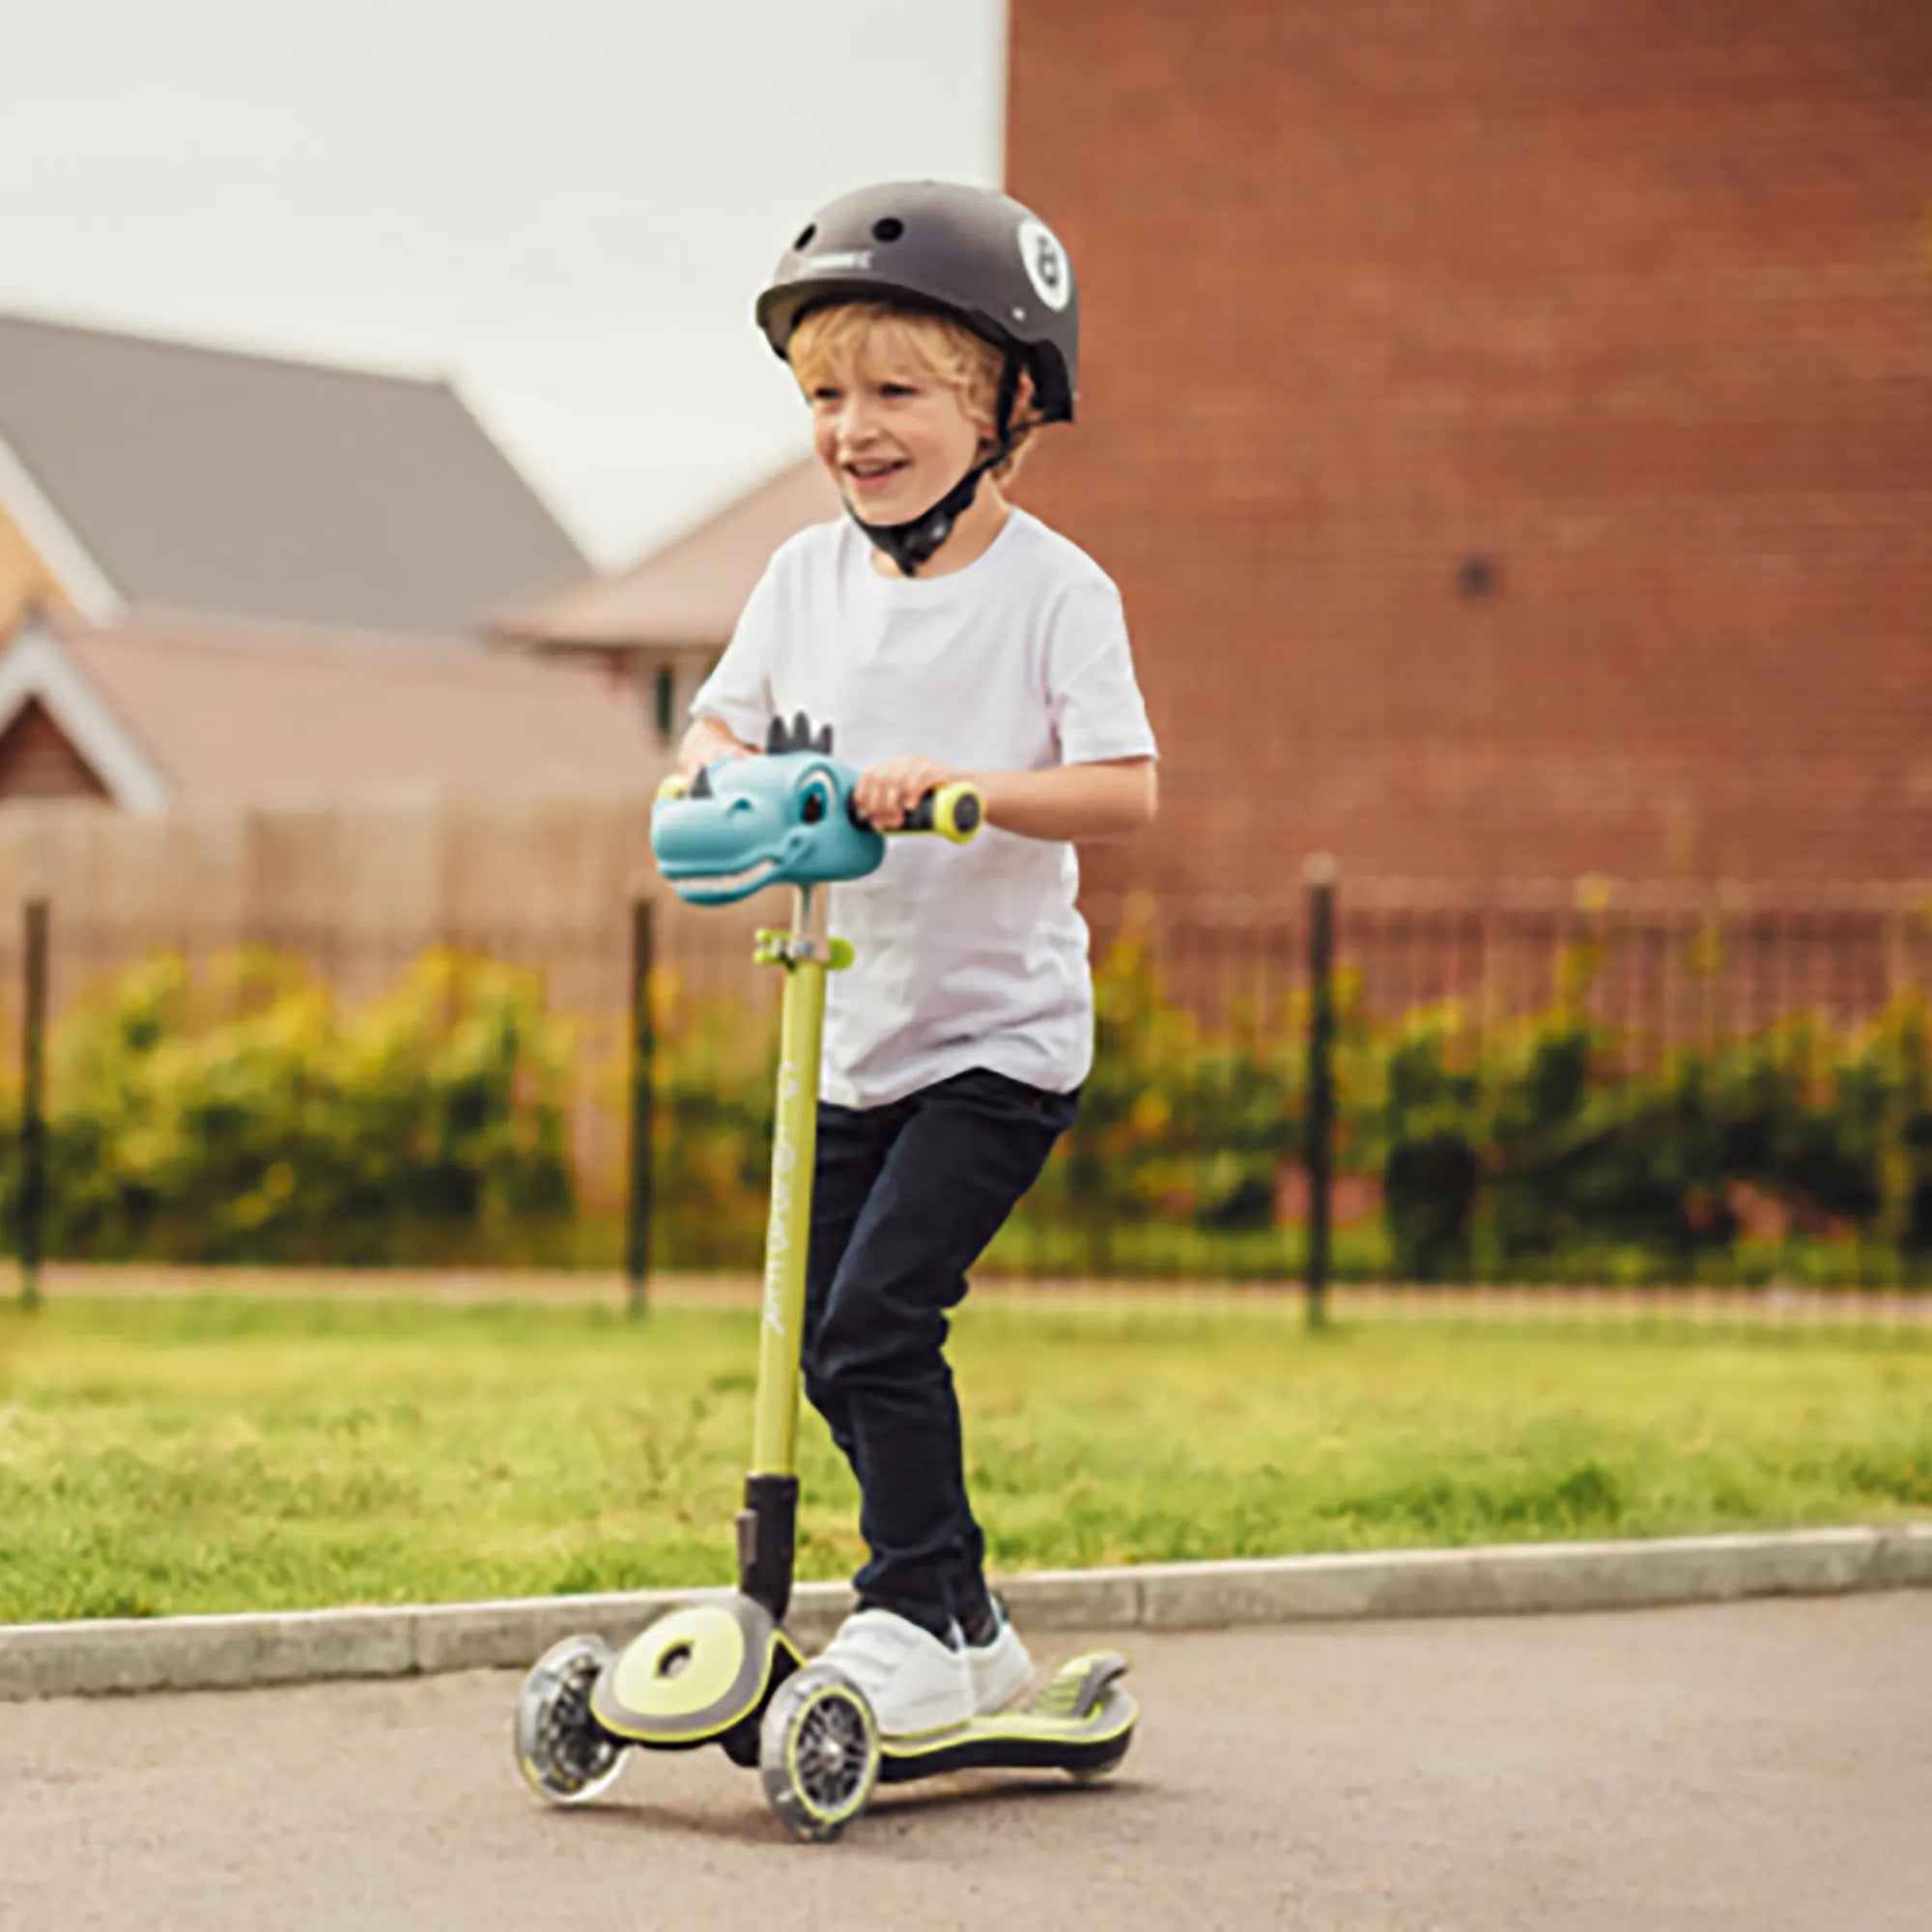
(845, 342)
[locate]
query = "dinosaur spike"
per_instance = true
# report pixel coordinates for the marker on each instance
(801, 732)
(700, 783)
(824, 741)
(775, 738)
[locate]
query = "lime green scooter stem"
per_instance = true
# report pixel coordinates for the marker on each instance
(766, 1526)
(806, 956)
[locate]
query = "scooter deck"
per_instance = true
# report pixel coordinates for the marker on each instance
(1082, 1721)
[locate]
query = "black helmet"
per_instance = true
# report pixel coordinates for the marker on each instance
(969, 252)
(972, 251)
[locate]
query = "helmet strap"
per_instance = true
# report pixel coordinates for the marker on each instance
(912, 544)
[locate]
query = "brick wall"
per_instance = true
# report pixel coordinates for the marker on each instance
(1511, 424)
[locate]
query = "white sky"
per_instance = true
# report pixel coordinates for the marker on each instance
(567, 205)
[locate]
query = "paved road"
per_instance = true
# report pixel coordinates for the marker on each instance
(1761, 1766)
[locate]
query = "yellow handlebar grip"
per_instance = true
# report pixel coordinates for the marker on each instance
(955, 812)
(673, 785)
(958, 811)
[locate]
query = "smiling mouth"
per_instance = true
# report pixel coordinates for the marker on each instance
(868, 477)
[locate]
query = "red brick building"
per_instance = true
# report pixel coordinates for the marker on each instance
(1511, 424)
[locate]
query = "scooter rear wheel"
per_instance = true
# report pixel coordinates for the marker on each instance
(566, 1756)
(818, 1753)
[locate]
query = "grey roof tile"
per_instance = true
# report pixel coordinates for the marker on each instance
(221, 484)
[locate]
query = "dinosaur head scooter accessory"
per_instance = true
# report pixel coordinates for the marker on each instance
(785, 820)
(967, 253)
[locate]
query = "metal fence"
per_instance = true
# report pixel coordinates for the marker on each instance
(1671, 962)
(1597, 1083)
(1358, 1084)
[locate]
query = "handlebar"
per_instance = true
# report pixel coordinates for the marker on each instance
(955, 812)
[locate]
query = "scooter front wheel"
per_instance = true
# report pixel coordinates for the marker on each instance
(818, 1753)
(566, 1756)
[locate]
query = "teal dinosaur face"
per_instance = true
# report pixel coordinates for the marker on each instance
(781, 820)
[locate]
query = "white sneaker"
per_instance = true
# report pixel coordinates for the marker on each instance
(1000, 1667)
(912, 1680)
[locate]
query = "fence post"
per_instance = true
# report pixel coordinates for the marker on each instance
(33, 1103)
(638, 1193)
(1318, 873)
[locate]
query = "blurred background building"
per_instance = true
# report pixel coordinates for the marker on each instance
(1511, 426)
(240, 579)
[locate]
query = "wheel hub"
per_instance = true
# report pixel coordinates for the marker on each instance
(577, 1748)
(827, 1749)
(566, 1756)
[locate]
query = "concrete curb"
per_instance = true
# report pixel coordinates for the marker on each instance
(89, 1659)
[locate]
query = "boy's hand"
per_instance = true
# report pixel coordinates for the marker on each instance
(886, 792)
(706, 742)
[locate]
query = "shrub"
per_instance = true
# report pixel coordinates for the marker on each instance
(243, 1117)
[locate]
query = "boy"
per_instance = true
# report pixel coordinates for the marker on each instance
(943, 634)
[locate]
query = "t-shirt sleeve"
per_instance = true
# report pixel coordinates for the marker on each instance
(738, 692)
(1096, 705)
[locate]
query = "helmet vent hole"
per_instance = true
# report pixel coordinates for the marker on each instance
(887, 228)
(805, 235)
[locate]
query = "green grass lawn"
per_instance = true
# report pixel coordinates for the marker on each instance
(227, 1454)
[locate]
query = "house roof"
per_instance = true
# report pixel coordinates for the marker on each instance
(163, 477)
(689, 593)
(178, 714)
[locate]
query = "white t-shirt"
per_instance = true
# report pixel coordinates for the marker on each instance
(968, 955)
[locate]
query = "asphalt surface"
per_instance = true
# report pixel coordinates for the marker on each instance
(1764, 1765)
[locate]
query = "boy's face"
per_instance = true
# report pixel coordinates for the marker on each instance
(891, 437)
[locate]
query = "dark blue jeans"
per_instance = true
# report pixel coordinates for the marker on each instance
(905, 1198)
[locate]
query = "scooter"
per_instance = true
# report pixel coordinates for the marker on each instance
(727, 1672)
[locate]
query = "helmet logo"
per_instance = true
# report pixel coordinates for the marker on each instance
(1046, 265)
(832, 262)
